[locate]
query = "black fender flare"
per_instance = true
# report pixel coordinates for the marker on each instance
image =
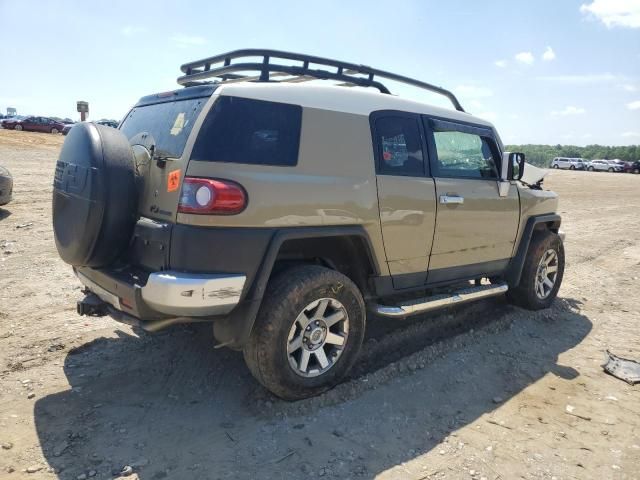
(514, 270)
(234, 329)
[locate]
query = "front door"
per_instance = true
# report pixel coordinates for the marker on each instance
(475, 227)
(406, 196)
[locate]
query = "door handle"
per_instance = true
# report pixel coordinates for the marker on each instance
(451, 199)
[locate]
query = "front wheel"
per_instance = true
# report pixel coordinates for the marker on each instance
(542, 273)
(590, 169)
(308, 332)
(54, 130)
(610, 170)
(572, 167)
(18, 127)
(556, 166)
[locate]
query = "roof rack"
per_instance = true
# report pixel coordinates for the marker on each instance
(221, 68)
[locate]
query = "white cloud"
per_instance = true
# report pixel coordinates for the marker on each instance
(630, 134)
(187, 40)
(614, 13)
(634, 105)
(584, 79)
(500, 63)
(525, 57)
(491, 116)
(472, 91)
(130, 30)
(549, 54)
(570, 110)
(630, 88)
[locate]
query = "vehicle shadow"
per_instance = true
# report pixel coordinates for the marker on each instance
(170, 406)
(4, 213)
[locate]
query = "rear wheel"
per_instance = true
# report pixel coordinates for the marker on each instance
(610, 170)
(556, 166)
(18, 127)
(572, 167)
(308, 332)
(590, 169)
(636, 170)
(54, 130)
(542, 273)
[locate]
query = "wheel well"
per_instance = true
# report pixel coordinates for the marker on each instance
(553, 226)
(347, 254)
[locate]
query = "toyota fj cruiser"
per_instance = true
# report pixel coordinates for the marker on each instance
(283, 212)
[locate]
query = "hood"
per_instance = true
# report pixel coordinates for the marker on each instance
(533, 174)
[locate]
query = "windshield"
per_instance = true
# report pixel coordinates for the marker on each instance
(168, 123)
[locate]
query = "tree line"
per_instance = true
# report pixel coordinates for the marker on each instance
(542, 155)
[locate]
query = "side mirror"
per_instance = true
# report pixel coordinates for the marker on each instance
(516, 165)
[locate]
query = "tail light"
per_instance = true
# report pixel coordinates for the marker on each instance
(211, 197)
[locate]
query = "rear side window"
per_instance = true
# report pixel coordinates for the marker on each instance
(241, 130)
(400, 146)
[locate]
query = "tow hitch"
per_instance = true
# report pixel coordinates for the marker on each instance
(91, 305)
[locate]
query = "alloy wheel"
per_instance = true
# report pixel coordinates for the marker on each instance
(546, 274)
(318, 337)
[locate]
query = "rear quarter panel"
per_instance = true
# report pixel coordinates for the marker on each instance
(333, 183)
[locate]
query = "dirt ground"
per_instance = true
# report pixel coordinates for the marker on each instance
(486, 391)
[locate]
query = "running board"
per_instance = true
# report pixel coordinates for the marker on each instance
(436, 302)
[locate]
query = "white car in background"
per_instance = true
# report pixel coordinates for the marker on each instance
(568, 163)
(602, 166)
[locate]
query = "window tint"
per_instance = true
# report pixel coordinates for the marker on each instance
(400, 146)
(240, 130)
(464, 155)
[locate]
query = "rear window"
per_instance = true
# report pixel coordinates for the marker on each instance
(241, 130)
(168, 123)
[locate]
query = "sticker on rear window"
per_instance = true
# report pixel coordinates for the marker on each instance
(178, 125)
(173, 181)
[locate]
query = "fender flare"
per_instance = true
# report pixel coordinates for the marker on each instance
(234, 330)
(516, 265)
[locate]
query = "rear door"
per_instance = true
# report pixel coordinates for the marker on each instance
(162, 123)
(406, 195)
(475, 227)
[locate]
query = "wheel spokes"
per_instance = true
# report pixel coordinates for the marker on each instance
(322, 357)
(304, 360)
(295, 344)
(334, 339)
(334, 318)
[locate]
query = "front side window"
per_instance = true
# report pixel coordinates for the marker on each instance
(464, 155)
(400, 146)
(242, 130)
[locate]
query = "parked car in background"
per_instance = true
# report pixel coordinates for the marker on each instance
(35, 124)
(6, 186)
(618, 165)
(10, 119)
(599, 165)
(568, 163)
(108, 123)
(632, 167)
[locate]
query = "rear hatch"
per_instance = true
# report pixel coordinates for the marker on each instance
(158, 128)
(162, 124)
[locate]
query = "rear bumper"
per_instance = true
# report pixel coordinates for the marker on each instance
(164, 295)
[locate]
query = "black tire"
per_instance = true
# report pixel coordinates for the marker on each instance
(94, 196)
(572, 167)
(610, 170)
(286, 297)
(524, 295)
(556, 166)
(590, 169)
(54, 130)
(18, 127)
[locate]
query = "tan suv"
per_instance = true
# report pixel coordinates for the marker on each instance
(283, 211)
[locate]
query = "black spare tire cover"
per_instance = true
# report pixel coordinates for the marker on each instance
(94, 196)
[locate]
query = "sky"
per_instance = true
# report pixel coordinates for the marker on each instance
(545, 71)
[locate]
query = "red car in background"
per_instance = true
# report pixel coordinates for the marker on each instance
(34, 124)
(632, 167)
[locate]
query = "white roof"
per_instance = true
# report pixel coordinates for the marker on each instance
(341, 99)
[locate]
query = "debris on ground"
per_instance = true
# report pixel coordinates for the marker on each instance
(622, 368)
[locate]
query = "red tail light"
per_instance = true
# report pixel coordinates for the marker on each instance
(211, 197)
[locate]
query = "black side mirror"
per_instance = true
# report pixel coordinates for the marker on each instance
(516, 165)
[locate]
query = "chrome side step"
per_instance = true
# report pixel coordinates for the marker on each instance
(436, 302)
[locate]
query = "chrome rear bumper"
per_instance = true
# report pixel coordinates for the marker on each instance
(177, 294)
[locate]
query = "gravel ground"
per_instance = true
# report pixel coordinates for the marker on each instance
(486, 391)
